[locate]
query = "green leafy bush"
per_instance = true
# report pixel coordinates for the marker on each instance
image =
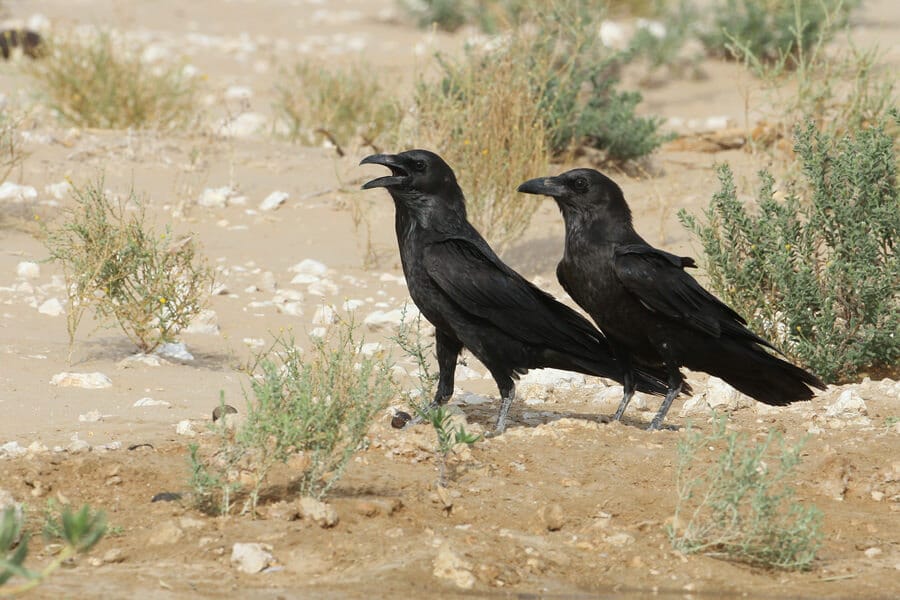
(150, 284)
(742, 508)
(314, 410)
(99, 83)
(817, 271)
(80, 531)
(772, 29)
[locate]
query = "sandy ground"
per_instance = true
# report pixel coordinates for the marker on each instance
(613, 482)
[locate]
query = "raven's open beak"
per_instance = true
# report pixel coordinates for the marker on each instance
(544, 186)
(398, 176)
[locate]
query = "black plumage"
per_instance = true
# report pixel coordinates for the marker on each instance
(650, 309)
(472, 298)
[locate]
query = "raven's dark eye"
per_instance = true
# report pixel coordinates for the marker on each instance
(419, 165)
(580, 184)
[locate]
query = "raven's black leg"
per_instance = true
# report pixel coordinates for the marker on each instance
(676, 381)
(628, 384)
(447, 348)
(507, 395)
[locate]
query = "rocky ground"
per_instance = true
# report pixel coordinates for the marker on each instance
(564, 504)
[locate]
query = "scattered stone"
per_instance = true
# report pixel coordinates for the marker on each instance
(206, 322)
(166, 497)
(470, 399)
(190, 523)
(59, 191)
(400, 419)
(12, 450)
(324, 315)
(497, 574)
(251, 557)
(77, 446)
(317, 511)
(185, 428)
(282, 511)
(309, 266)
(720, 395)
(113, 555)
(148, 360)
(17, 193)
(144, 402)
(28, 270)
(553, 517)
(176, 350)
(452, 567)
(223, 410)
(90, 417)
(273, 201)
(872, 552)
(323, 288)
(351, 305)
(36, 447)
(216, 197)
(847, 406)
(51, 307)
(245, 125)
(166, 534)
(7, 501)
(695, 405)
(619, 539)
(378, 506)
(88, 381)
(238, 92)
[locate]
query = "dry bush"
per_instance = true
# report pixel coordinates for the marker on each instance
(100, 83)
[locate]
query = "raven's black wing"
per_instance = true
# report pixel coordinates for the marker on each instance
(658, 280)
(485, 287)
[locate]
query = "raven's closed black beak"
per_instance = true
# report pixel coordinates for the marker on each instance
(544, 186)
(394, 163)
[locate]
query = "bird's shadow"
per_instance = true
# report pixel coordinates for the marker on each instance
(486, 415)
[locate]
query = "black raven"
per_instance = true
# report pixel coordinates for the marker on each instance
(651, 310)
(473, 299)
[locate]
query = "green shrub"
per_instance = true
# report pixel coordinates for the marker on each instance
(99, 83)
(773, 29)
(742, 508)
(344, 106)
(80, 531)
(149, 284)
(817, 271)
(314, 410)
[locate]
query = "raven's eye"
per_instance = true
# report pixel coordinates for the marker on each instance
(580, 184)
(419, 165)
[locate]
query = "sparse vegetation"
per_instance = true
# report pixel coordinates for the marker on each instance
(773, 30)
(100, 82)
(450, 434)
(150, 284)
(80, 531)
(817, 271)
(345, 106)
(11, 153)
(314, 411)
(743, 508)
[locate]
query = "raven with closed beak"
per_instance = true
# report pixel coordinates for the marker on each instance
(651, 310)
(476, 301)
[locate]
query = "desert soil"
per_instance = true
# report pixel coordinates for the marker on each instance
(609, 486)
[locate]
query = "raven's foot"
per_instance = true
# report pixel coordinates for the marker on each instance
(657, 421)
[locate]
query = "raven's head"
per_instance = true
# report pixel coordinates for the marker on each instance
(583, 193)
(412, 171)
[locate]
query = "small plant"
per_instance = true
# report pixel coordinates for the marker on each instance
(343, 106)
(773, 30)
(818, 272)
(449, 435)
(100, 83)
(313, 410)
(150, 284)
(742, 508)
(11, 153)
(80, 531)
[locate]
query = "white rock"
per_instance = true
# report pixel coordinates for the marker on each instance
(155, 53)
(352, 304)
(656, 29)
(610, 395)
(720, 395)
(848, 405)
(18, 193)
(52, 307)
(254, 342)
(238, 92)
(294, 309)
(245, 125)
(322, 288)
(695, 405)
(28, 270)
(370, 348)
(185, 428)
(619, 539)
(471, 399)
(304, 279)
(309, 266)
(11, 450)
(318, 332)
(206, 322)
(150, 402)
(552, 378)
(216, 197)
(251, 557)
(77, 446)
(90, 416)
(612, 35)
(321, 513)
(325, 315)
(452, 567)
(90, 381)
(36, 447)
(273, 200)
(176, 350)
(466, 373)
(7, 501)
(148, 360)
